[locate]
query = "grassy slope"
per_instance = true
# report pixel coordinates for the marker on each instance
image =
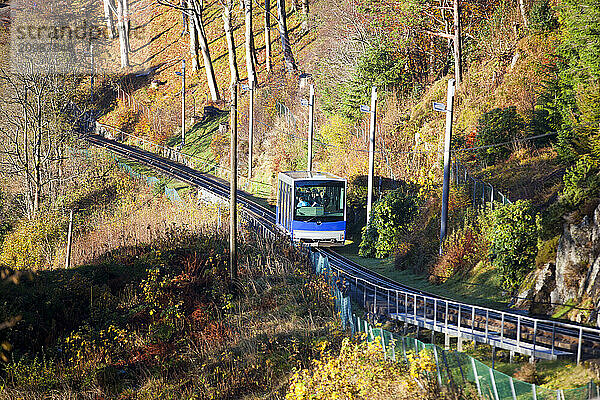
(480, 288)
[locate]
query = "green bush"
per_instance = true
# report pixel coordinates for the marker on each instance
(513, 237)
(390, 218)
(541, 17)
(498, 126)
(581, 187)
(581, 182)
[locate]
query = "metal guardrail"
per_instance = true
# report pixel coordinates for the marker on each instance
(539, 338)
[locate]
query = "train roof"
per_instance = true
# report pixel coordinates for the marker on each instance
(290, 176)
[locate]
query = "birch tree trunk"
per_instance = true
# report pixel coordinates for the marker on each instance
(304, 25)
(123, 39)
(290, 63)
(250, 66)
(197, 8)
(268, 35)
(457, 45)
(194, 48)
(127, 22)
(110, 25)
(227, 26)
(523, 13)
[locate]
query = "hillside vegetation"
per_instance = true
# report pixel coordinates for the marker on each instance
(525, 73)
(146, 309)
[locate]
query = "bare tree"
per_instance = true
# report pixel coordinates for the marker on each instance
(268, 34)
(228, 27)
(523, 10)
(288, 56)
(304, 26)
(194, 47)
(108, 16)
(122, 19)
(194, 10)
(34, 129)
(250, 56)
(434, 24)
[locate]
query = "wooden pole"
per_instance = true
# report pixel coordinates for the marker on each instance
(69, 240)
(373, 111)
(233, 187)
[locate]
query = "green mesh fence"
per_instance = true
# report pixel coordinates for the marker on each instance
(453, 368)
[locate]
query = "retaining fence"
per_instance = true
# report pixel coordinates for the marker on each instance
(195, 162)
(149, 181)
(481, 192)
(452, 368)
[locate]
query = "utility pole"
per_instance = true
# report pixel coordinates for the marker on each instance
(92, 73)
(250, 128)
(182, 103)
(373, 111)
(182, 4)
(311, 125)
(233, 187)
(446, 188)
(69, 241)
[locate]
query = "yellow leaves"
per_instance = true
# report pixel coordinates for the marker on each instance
(31, 244)
(359, 371)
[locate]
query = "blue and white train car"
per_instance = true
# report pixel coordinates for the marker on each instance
(311, 207)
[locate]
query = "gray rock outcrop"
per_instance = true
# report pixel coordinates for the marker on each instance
(577, 271)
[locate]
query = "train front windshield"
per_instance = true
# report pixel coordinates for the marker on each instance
(319, 201)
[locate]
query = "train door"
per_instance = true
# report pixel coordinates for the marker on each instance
(278, 211)
(290, 208)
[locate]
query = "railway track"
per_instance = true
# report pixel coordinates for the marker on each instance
(536, 337)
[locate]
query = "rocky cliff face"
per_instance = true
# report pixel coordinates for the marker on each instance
(578, 261)
(575, 276)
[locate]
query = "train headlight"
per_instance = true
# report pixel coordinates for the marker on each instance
(342, 237)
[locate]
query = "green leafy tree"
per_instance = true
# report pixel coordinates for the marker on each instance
(390, 218)
(382, 65)
(513, 237)
(499, 125)
(541, 17)
(572, 94)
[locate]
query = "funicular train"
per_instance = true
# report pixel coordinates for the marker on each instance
(311, 207)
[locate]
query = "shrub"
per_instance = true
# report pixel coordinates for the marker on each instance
(461, 254)
(498, 126)
(390, 218)
(581, 188)
(360, 371)
(31, 245)
(528, 373)
(581, 182)
(541, 17)
(513, 237)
